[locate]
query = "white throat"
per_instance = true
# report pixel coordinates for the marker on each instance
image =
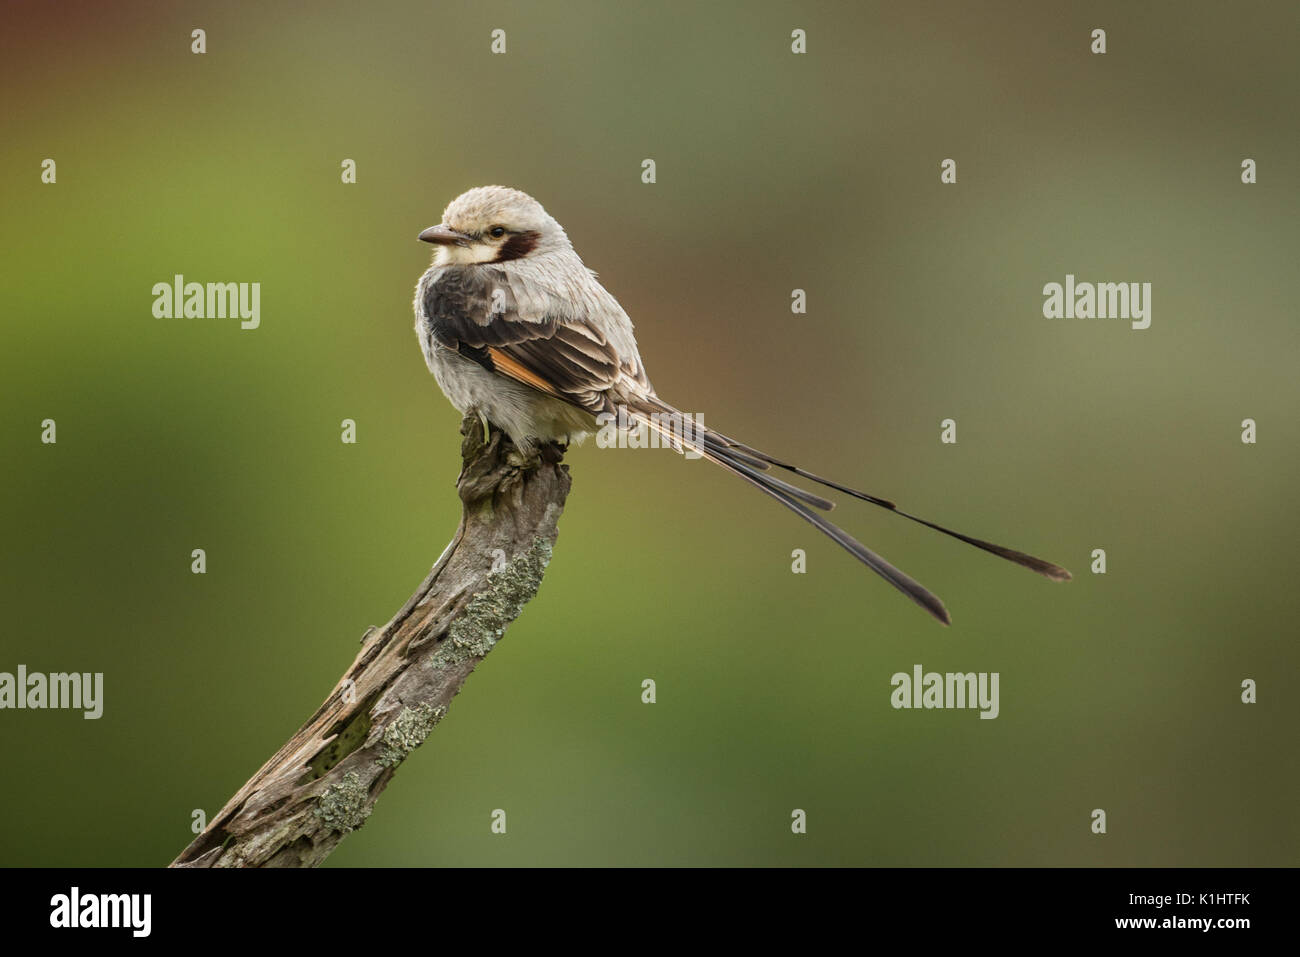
(465, 255)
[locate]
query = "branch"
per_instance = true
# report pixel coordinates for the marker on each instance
(324, 782)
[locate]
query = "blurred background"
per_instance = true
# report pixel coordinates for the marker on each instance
(774, 172)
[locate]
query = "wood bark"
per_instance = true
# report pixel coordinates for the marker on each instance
(324, 782)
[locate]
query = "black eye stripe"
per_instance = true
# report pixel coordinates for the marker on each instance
(517, 246)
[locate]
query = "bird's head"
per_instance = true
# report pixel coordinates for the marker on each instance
(493, 224)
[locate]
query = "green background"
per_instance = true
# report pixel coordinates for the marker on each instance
(775, 171)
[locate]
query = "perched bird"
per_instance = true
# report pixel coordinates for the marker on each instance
(515, 327)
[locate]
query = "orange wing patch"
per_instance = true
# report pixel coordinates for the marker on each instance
(504, 364)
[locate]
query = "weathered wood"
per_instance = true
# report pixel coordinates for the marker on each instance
(324, 782)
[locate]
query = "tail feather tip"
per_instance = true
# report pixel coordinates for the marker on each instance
(1055, 572)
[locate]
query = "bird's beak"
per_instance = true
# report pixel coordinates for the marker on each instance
(444, 236)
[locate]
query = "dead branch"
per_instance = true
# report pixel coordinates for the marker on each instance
(324, 782)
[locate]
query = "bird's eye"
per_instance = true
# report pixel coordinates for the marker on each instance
(496, 232)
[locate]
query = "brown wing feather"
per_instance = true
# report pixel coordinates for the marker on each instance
(475, 313)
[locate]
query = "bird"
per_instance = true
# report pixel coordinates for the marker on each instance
(515, 328)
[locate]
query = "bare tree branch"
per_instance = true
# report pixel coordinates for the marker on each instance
(324, 782)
